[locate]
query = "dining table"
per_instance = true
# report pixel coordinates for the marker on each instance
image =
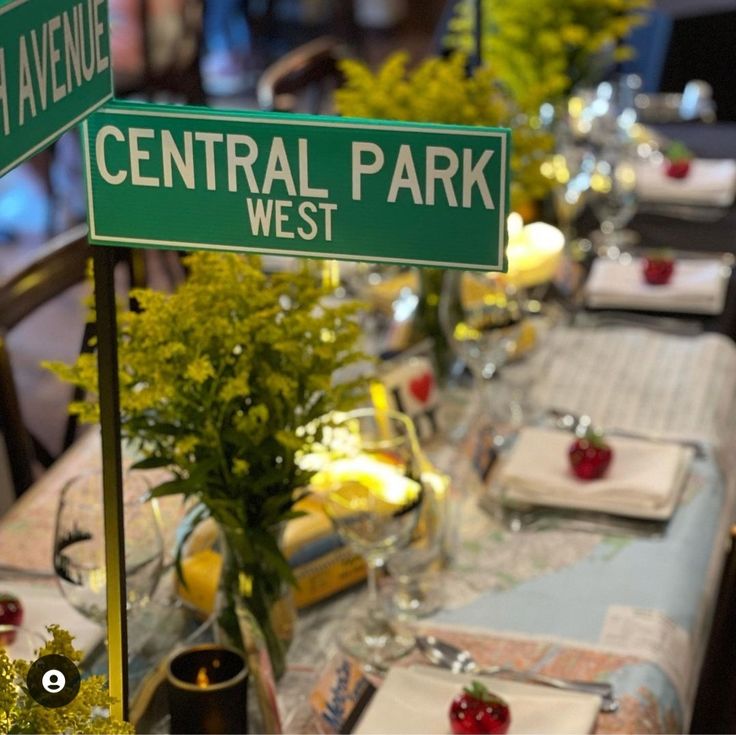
(691, 230)
(606, 601)
(578, 596)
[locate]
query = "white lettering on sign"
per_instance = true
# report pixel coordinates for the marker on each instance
(72, 51)
(169, 154)
(55, 58)
(305, 190)
(58, 90)
(368, 159)
(435, 174)
(137, 155)
(473, 176)
(367, 168)
(245, 162)
(261, 213)
(41, 62)
(278, 168)
(108, 131)
(4, 103)
(209, 140)
(101, 62)
(274, 173)
(405, 176)
(25, 84)
(172, 155)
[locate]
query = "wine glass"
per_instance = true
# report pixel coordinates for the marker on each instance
(481, 315)
(614, 200)
(416, 593)
(371, 488)
(79, 544)
(571, 164)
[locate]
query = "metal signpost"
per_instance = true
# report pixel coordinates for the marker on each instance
(54, 70)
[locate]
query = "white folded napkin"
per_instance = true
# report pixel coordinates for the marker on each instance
(44, 605)
(697, 287)
(644, 479)
(417, 700)
(711, 182)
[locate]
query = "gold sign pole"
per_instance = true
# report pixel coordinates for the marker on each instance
(112, 478)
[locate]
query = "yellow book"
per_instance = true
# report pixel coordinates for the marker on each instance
(327, 575)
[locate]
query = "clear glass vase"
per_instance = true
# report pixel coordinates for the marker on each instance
(256, 608)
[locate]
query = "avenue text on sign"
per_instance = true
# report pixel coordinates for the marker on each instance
(54, 70)
(190, 178)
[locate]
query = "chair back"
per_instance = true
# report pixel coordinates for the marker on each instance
(60, 264)
(304, 79)
(157, 49)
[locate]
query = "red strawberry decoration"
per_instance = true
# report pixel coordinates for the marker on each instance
(11, 613)
(476, 710)
(677, 160)
(658, 268)
(590, 456)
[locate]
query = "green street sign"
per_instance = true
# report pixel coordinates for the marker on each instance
(54, 70)
(190, 178)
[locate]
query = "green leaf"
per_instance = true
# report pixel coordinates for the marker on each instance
(267, 545)
(174, 487)
(151, 463)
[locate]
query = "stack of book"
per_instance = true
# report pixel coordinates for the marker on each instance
(323, 565)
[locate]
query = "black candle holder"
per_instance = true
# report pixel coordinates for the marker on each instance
(207, 687)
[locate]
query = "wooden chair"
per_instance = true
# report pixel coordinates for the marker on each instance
(304, 79)
(59, 265)
(177, 76)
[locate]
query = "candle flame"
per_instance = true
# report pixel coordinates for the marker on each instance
(203, 680)
(514, 224)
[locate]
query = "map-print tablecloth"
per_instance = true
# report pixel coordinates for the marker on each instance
(630, 609)
(635, 611)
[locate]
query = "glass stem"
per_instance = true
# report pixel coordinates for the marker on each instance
(374, 610)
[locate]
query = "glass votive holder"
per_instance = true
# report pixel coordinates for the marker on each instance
(207, 688)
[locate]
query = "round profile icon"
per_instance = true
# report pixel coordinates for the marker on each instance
(53, 680)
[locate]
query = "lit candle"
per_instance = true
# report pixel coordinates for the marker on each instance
(533, 252)
(207, 688)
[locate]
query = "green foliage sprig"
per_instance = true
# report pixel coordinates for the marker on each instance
(440, 90)
(541, 49)
(215, 380)
(20, 713)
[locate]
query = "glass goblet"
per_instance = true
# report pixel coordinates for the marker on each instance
(416, 593)
(79, 544)
(372, 492)
(614, 200)
(481, 315)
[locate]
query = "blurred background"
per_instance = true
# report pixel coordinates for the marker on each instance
(281, 54)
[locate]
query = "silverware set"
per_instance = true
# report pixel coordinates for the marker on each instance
(448, 656)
